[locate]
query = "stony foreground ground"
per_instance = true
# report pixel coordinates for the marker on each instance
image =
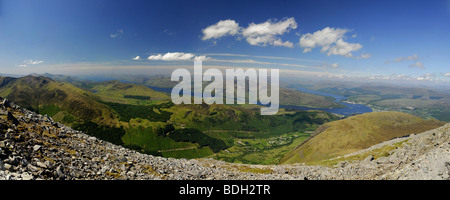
(34, 147)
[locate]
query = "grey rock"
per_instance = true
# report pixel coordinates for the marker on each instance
(6, 103)
(32, 168)
(121, 159)
(7, 166)
(60, 171)
(41, 165)
(36, 147)
(382, 160)
(27, 176)
(368, 159)
(11, 117)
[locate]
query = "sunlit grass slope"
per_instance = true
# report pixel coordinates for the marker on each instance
(355, 133)
(126, 93)
(62, 101)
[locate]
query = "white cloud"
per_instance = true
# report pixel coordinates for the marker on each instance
(447, 75)
(220, 29)
(270, 28)
(177, 56)
(391, 77)
(117, 34)
(426, 77)
(366, 55)
(343, 48)
(265, 33)
(306, 50)
(334, 65)
(403, 77)
(201, 58)
(324, 38)
(261, 34)
(331, 40)
(413, 57)
(325, 65)
(137, 58)
(278, 42)
(33, 62)
(418, 65)
(30, 62)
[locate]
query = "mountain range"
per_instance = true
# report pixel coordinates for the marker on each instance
(143, 119)
(139, 118)
(34, 147)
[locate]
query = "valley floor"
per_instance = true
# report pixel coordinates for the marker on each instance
(33, 146)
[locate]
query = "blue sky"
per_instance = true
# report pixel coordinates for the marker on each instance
(400, 39)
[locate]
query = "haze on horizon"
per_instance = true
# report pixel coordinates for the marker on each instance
(388, 41)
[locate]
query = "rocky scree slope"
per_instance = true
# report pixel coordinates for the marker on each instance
(34, 147)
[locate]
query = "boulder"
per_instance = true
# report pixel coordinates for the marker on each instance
(12, 118)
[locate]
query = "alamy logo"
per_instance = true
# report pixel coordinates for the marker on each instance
(214, 91)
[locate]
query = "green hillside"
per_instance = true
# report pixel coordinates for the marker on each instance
(251, 137)
(356, 133)
(424, 102)
(61, 101)
(125, 93)
(288, 96)
(142, 119)
(216, 131)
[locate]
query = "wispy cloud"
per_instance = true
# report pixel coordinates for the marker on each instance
(251, 61)
(325, 67)
(304, 71)
(401, 59)
(30, 62)
(117, 34)
(212, 57)
(418, 65)
(265, 57)
(33, 62)
(171, 33)
(334, 65)
(414, 58)
(366, 55)
(403, 77)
